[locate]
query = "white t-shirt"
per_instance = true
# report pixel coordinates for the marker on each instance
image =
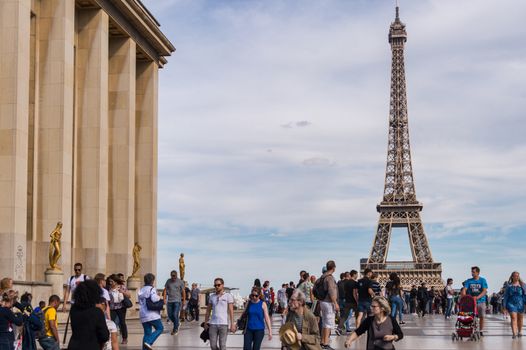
(105, 294)
(220, 308)
(449, 289)
(112, 327)
(73, 282)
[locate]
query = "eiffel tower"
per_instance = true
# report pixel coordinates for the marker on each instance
(399, 207)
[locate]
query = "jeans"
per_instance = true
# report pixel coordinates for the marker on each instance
(345, 320)
(121, 314)
(194, 310)
(252, 339)
(397, 305)
(174, 309)
(449, 306)
(49, 343)
(218, 332)
(149, 336)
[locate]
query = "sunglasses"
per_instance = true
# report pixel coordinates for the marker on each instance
(78, 269)
(217, 285)
(254, 295)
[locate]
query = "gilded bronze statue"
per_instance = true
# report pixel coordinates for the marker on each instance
(54, 246)
(181, 267)
(136, 252)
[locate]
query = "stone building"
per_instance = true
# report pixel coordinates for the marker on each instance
(78, 134)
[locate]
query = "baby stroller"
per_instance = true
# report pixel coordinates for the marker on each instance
(467, 322)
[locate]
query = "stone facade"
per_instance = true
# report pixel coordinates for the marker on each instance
(78, 134)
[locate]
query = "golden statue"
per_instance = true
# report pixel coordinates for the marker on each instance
(181, 267)
(54, 246)
(136, 258)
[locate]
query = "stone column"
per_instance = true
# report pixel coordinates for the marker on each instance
(14, 109)
(121, 112)
(54, 126)
(146, 165)
(91, 158)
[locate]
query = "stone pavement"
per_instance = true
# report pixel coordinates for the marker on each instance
(429, 333)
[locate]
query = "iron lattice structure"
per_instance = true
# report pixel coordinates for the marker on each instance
(399, 207)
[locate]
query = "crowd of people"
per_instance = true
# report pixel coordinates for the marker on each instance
(311, 310)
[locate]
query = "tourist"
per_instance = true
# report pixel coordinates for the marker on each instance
(514, 303)
(113, 342)
(257, 318)
(51, 340)
(88, 323)
(72, 284)
(365, 295)
(8, 318)
(6, 284)
(430, 299)
(329, 305)
(413, 299)
(118, 292)
(375, 285)
(100, 278)
(341, 297)
(173, 295)
(266, 294)
(421, 296)
(393, 290)
(382, 329)
(282, 298)
(193, 304)
(304, 321)
(272, 301)
(302, 278)
(290, 289)
(477, 287)
(450, 293)
(350, 289)
(185, 299)
(149, 318)
(306, 288)
(221, 307)
(31, 323)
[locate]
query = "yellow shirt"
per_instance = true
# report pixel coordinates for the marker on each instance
(50, 315)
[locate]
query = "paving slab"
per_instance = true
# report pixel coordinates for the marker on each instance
(428, 333)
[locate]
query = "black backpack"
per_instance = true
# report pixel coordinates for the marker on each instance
(318, 290)
(38, 322)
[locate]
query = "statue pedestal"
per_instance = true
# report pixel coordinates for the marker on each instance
(56, 278)
(134, 283)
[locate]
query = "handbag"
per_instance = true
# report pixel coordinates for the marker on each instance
(127, 303)
(154, 305)
(243, 320)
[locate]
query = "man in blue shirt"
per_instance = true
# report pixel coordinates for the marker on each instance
(477, 287)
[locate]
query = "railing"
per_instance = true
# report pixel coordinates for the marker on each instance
(402, 265)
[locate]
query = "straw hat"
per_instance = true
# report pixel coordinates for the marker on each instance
(288, 336)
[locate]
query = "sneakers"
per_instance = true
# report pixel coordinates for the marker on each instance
(338, 331)
(174, 332)
(402, 322)
(147, 346)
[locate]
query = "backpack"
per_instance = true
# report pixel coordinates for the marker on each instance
(37, 322)
(72, 277)
(318, 290)
(154, 305)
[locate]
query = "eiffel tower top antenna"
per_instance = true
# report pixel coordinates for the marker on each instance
(397, 10)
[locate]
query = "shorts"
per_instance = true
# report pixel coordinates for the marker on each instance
(481, 310)
(364, 306)
(328, 315)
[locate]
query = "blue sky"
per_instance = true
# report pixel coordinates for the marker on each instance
(273, 134)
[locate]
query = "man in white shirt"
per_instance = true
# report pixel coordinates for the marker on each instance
(73, 282)
(221, 304)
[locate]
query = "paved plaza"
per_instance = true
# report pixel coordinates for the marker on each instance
(430, 333)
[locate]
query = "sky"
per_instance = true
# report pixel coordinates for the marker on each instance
(273, 135)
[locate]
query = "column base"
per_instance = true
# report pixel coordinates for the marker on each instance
(56, 278)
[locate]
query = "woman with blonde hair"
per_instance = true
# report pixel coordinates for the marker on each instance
(382, 329)
(514, 302)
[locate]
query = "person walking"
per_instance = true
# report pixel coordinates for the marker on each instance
(514, 296)
(73, 282)
(421, 296)
(51, 340)
(257, 318)
(173, 295)
(306, 288)
(221, 309)
(118, 292)
(329, 305)
(450, 293)
(382, 329)
(7, 319)
(394, 292)
(350, 289)
(282, 298)
(304, 321)
(149, 318)
(193, 304)
(477, 287)
(365, 295)
(88, 323)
